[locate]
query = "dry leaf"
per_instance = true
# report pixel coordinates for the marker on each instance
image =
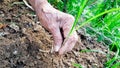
(2, 25)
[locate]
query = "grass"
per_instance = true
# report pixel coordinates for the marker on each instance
(100, 18)
(77, 65)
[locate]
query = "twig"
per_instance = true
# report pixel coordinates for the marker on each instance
(26, 3)
(44, 51)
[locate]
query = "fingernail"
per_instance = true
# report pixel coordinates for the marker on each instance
(56, 48)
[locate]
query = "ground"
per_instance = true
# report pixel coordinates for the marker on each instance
(24, 43)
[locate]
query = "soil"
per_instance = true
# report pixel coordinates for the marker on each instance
(24, 43)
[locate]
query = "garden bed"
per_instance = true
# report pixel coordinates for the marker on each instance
(24, 43)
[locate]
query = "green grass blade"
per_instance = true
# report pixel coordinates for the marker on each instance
(78, 15)
(105, 12)
(114, 59)
(77, 65)
(117, 65)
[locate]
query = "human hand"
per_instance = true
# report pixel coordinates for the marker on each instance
(54, 20)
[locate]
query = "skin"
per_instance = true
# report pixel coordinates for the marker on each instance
(54, 20)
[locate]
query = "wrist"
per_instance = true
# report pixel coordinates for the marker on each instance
(36, 3)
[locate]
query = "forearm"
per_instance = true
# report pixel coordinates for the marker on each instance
(34, 3)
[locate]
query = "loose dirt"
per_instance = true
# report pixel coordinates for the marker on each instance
(24, 43)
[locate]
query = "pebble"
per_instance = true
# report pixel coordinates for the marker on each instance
(3, 33)
(14, 26)
(37, 27)
(35, 62)
(15, 52)
(2, 13)
(38, 57)
(31, 64)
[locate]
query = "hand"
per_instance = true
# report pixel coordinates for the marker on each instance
(54, 20)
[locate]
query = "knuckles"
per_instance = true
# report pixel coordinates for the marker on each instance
(74, 37)
(70, 18)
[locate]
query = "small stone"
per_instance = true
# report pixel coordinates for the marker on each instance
(15, 52)
(38, 57)
(37, 27)
(31, 64)
(14, 26)
(35, 62)
(2, 14)
(3, 33)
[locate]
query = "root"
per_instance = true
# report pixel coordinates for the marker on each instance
(44, 51)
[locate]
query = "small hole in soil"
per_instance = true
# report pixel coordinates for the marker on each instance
(10, 10)
(19, 64)
(35, 31)
(8, 20)
(83, 37)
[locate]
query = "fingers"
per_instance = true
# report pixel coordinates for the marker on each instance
(70, 43)
(57, 37)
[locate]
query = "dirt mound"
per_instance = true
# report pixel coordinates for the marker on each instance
(24, 43)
